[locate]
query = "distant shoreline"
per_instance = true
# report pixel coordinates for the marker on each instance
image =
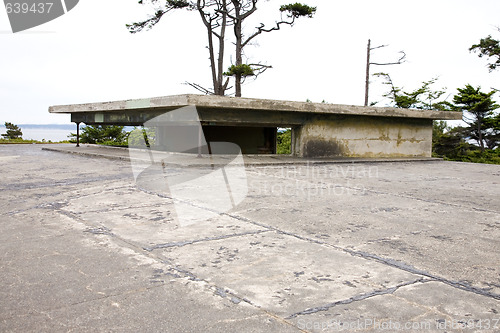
(47, 132)
(53, 126)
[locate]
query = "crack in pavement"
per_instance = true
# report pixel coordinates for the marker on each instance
(85, 301)
(356, 298)
(403, 266)
(99, 231)
(76, 181)
(206, 239)
(433, 201)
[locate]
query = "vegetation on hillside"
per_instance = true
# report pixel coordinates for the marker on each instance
(13, 132)
(111, 135)
(284, 141)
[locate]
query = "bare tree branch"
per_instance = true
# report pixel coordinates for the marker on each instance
(399, 62)
(147, 24)
(199, 88)
(261, 30)
(378, 47)
(260, 68)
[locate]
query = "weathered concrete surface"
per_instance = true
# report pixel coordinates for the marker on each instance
(238, 103)
(312, 248)
(364, 137)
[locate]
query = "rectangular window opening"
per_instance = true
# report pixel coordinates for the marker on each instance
(284, 141)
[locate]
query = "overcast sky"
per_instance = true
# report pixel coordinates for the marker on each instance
(88, 55)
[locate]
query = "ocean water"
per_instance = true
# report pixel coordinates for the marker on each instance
(53, 133)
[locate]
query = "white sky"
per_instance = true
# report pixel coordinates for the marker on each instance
(88, 55)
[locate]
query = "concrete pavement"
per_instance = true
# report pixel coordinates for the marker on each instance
(322, 247)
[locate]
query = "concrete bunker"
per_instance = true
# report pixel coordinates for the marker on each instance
(318, 129)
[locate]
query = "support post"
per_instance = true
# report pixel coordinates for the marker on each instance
(78, 134)
(200, 141)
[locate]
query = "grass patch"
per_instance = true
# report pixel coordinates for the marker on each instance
(23, 141)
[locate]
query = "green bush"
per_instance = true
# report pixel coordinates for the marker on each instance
(102, 134)
(137, 138)
(284, 142)
(13, 132)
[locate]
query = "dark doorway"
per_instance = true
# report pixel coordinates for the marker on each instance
(251, 140)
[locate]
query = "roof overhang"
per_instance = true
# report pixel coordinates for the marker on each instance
(261, 106)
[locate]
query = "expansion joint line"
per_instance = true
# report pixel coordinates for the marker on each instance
(207, 239)
(357, 298)
(408, 268)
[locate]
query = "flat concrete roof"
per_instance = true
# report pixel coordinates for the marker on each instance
(239, 103)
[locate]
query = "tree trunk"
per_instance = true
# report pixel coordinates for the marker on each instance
(480, 134)
(239, 57)
(212, 61)
(220, 60)
(217, 69)
(367, 82)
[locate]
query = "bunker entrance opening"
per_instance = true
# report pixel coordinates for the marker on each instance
(250, 139)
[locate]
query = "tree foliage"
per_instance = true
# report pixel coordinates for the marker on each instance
(489, 48)
(284, 142)
(242, 70)
(483, 128)
(102, 134)
(492, 125)
(12, 131)
(140, 136)
(217, 16)
(448, 142)
(423, 98)
(478, 110)
(483, 125)
(451, 144)
(297, 10)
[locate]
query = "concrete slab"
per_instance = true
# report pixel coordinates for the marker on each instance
(188, 160)
(445, 309)
(151, 222)
(82, 248)
(282, 273)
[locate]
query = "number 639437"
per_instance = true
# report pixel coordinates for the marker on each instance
(24, 8)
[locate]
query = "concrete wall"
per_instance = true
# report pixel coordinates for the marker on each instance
(361, 136)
